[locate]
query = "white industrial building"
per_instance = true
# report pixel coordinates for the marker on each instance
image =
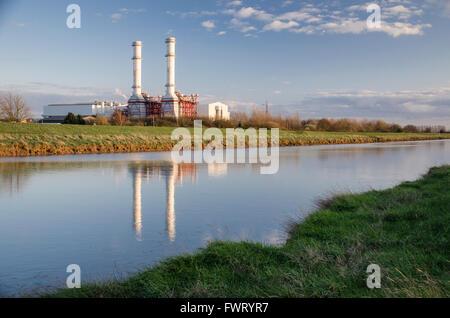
(57, 112)
(214, 111)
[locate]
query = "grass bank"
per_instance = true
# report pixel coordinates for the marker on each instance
(405, 230)
(20, 140)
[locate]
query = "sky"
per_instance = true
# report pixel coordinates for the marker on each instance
(319, 58)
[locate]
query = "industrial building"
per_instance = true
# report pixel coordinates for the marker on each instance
(173, 103)
(142, 105)
(55, 113)
(215, 111)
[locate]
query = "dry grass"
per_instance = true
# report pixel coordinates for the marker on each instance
(18, 140)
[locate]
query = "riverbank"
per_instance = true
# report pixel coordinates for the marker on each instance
(21, 140)
(405, 230)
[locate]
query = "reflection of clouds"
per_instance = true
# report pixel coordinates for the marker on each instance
(15, 174)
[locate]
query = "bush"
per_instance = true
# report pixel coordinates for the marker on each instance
(102, 121)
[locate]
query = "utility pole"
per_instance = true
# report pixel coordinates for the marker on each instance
(267, 107)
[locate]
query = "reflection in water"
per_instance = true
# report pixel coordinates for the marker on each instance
(217, 169)
(170, 202)
(137, 212)
(173, 173)
(106, 212)
(15, 175)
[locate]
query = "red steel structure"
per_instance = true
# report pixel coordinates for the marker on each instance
(187, 106)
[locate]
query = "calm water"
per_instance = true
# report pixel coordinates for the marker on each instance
(113, 214)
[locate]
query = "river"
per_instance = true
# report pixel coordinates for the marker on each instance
(114, 214)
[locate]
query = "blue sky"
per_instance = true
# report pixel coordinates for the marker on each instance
(315, 57)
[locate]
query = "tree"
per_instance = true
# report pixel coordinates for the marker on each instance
(71, 119)
(118, 118)
(13, 108)
(324, 125)
(410, 129)
(80, 120)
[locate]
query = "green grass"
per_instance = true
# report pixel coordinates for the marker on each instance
(38, 140)
(405, 230)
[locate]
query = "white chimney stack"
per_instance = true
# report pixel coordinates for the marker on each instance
(170, 68)
(137, 70)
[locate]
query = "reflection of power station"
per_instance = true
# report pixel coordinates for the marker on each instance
(173, 173)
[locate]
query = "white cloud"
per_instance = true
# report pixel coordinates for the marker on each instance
(248, 29)
(398, 18)
(234, 3)
(209, 25)
(115, 17)
(242, 26)
(418, 108)
(249, 12)
(222, 33)
(278, 26)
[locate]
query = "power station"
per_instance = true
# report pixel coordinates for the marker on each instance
(173, 103)
(142, 105)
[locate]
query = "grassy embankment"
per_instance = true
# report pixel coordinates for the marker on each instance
(405, 230)
(41, 140)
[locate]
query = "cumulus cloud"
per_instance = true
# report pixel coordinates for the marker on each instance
(241, 26)
(208, 25)
(191, 14)
(399, 18)
(287, 3)
(278, 26)
(123, 12)
(234, 3)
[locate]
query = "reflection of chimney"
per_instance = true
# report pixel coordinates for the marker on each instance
(170, 212)
(137, 213)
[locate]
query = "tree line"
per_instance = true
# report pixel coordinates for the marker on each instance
(13, 108)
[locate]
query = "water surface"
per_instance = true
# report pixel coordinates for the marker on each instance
(114, 214)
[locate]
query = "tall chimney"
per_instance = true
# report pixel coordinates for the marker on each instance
(137, 73)
(170, 68)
